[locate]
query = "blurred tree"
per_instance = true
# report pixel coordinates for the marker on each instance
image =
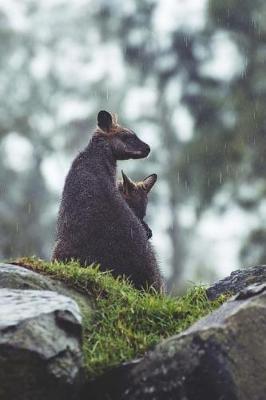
(23, 194)
(227, 151)
(237, 125)
(33, 92)
(170, 66)
(53, 80)
(61, 62)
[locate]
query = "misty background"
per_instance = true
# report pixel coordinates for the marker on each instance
(188, 76)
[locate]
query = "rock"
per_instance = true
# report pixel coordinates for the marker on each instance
(17, 277)
(111, 384)
(237, 281)
(221, 357)
(250, 291)
(40, 345)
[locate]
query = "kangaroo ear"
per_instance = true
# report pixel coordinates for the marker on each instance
(105, 121)
(128, 185)
(149, 182)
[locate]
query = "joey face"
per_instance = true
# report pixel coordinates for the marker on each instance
(137, 199)
(136, 196)
(124, 142)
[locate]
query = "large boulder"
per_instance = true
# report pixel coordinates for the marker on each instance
(237, 281)
(40, 345)
(221, 357)
(17, 277)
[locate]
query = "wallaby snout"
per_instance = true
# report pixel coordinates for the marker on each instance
(144, 152)
(138, 148)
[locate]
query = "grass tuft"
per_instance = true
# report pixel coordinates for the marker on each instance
(125, 322)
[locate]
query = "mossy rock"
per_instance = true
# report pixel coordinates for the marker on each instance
(121, 323)
(222, 356)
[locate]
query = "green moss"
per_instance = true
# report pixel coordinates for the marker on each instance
(126, 322)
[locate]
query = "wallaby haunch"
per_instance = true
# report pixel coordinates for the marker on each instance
(95, 224)
(136, 196)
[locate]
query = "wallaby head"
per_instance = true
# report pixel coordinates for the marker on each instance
(136, 196)
(123, 141)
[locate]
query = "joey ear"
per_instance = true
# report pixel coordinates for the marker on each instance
(128, 185)
(115, 119)
(149, 182)
(105, 121)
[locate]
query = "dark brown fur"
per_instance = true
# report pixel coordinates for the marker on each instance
(95, 224)
(136, 196)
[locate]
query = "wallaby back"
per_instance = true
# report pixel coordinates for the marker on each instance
(95, 224)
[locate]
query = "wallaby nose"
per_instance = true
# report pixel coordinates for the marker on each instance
(147, 150)
(142, 152)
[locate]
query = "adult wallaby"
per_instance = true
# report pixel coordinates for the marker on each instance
(136, 196)
(95, 224)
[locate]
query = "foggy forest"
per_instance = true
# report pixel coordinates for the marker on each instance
(188, 76)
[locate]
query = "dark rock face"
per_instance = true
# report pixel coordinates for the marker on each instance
(110, 385)
(237, 281)
(221, 357)
(40, 345)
